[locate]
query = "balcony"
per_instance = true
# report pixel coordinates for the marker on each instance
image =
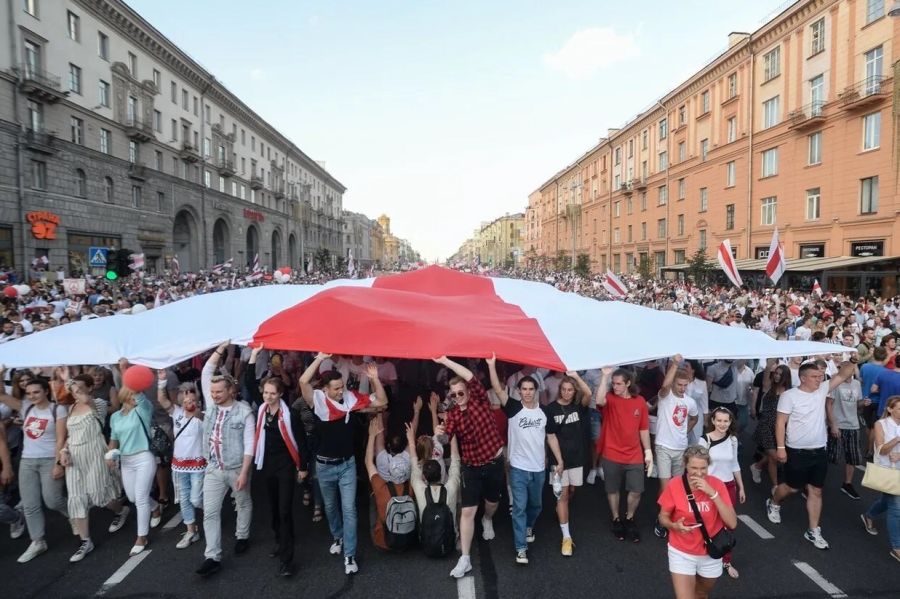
(40, 85)
(863, 94)
(188, 152)
(137, 171)
(138, 130)
(279, 192)
(226, 168)
(626, 188)
(807, 117)
(38, 140)
(256, 181)
(639, 184)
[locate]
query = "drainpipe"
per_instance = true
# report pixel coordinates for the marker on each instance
(668, 203)
(750, 115)
(20, 168)
(203, 116)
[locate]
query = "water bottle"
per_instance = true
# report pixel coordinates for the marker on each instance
(556, 482)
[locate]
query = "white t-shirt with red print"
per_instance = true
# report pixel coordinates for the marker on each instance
(672, 414)
(39, 429)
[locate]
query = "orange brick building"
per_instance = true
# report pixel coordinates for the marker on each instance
(793, 126)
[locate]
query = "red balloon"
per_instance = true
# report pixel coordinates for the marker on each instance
(285, 270)
(10, 291)
(795, 310)
(138, 378)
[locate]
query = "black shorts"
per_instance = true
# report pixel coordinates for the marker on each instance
(482, 482)
(805, 467)
(870, 414)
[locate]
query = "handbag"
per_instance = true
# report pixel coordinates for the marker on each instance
(719, 545)
(881, 478)
(160, 443)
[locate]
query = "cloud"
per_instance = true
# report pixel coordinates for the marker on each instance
(590, 50)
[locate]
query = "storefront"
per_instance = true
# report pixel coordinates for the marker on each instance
(79, 244)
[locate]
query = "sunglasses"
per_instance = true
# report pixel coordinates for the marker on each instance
(452, 395)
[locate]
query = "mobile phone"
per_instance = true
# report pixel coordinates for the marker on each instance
(698, 525)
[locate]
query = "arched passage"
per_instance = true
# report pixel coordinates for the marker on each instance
(185, 241)
(252, 244)
(221, 241)
(292, 250)
(276, 249)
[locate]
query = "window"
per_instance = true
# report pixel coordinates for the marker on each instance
(157, 79)
(769, 206)
(663, 129)
(252, 143)
(243, 137)
(704, 102)
(702, 243)
(132, 64)
(630, 149)
(682, 115)
(77, 127)
(616, 206)
(206, 114)
(617, 159)
(871, 131)
(75, 78)
(35, 115)
(629, 206)
(874, 10)
(661, 228)
(729, 217)
(132, 152)
(243, 192)
(731, 129)
(173, 92)
(704, 149)
(131, 110)
(159, 160)
(196, 106)
(682, 151)
(207, 178)
(732, 85)
(32, 57)
(817, 37)
(868, 196)
(157, 121)
(643, 200)
(644, 137)
(663, 161)
(770, 112)
(103, 94)
(207, 143)
(629, 237)
(73, 23)
(184, 99)
(174, 125)
(772, 64)
(160, 201)
(682, 189)
(221, 184)
(136, 196)
(80, 183)
(102, 45)
(644, 231)
(679, 257)
(105, 139)
(30, 7)
(663, 196)
(704, 199)
(234, 188)
(874, 66)
(108, 190)
(680, 224)
(812, 203)
(38, 175)
(616, 235)
(815, 148)
(770, 162)
(816, 95)
(730, 174)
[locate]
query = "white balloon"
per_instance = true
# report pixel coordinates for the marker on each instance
(23, 289)
(138, 308)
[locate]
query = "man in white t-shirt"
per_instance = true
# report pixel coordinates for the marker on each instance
(676, 415)
(512, 383)
(801, 438)
(528, 430)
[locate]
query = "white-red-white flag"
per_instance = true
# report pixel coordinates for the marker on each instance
(176, 266)
(726, 261)
(614, 285)
(775, 264)
(137, 261)
(817, 289)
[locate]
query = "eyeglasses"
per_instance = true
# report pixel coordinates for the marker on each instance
(452, 395)
(194, 391)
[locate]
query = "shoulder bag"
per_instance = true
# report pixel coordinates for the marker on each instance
(724, 540)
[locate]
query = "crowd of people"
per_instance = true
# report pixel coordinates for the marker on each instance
(441, 441)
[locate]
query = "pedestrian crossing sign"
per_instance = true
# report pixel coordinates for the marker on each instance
(97, 257)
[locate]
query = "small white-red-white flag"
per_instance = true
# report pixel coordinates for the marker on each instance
(775, 264)
(726, 261)
(614, 285)
(137, 261)
(817, 289)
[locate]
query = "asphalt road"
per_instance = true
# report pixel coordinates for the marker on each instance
(857, 565)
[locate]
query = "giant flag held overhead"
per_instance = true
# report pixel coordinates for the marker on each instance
(775, 263)
(726, 261)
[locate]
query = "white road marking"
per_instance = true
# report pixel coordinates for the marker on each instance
(465, 587)
(175, 521)
(755, 527)
(120, 574)
(820, 580)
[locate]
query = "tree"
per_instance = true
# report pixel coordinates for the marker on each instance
(646, 267)
(323, 260)
(700, 267)
(583, 265)
(561, 262)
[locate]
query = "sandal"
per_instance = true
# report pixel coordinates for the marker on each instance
(317, 514)
(732, 571)
(307, 496)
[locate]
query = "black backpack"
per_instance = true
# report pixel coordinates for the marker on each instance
(436, 532)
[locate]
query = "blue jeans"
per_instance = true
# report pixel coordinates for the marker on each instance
(338, 484)
(526, 491)
(190, 491)
(891, 505)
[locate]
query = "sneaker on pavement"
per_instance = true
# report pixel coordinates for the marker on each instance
(35, 549)
(522, 557)
(17, 528)
(592, 476)
(209, 567)
(870, 526)
(600, 473)
(463, 566)
(756, 473)
(487, 526)
(773, 512)
(618, 529)
(814, 536)
(567, 546)
(350, 566)
(337, 547)
(241, 546)
(848, 490)
(85, 548)
(187, 539)
(631, 530)
(529, 535)
(119, 521)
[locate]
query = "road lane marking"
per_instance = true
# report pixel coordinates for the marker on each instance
(755, 527)
(820, 580)
(175, 521)
(465, 587)
(120, 574)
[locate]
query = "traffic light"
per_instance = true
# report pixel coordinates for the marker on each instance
(117, 262)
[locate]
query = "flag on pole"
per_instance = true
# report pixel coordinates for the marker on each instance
(614, 285)
(726, 261)
(220, 268)
(176, 266)
(256, 268)
(309, 265)
(351, 266)
(137, 261)
(817, 289)
(775, 264)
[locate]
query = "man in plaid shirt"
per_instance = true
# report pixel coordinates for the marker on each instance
(481, 448)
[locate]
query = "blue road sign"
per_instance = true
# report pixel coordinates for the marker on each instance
(97, 256)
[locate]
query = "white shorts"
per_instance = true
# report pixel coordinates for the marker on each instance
(572, 477)
(693, 565)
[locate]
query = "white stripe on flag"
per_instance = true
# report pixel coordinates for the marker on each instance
(726, 261)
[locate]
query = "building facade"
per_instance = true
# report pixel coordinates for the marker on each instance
(794, 127)
(113, 137)
(498, 243)
(364, 238)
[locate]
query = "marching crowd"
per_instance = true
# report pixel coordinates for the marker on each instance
(441, 441)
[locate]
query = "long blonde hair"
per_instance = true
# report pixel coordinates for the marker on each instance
(126, 397)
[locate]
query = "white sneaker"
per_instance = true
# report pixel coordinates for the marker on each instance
(17, 528)
(119, 521)
(337, 547)
(35, 549)
(522, 557)
(487, 526)
(756, 473)
(814, 536)
(773, 512)
(600, 473)
(463, 566)
(188, 539)
(350, 566)
(85, 548)
(592, 476)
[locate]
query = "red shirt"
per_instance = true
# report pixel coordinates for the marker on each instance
(474, 427)
(623, 420)
(674, 501)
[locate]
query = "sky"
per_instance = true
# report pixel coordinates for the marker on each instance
(444, 115)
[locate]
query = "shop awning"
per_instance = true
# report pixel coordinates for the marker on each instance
(802, 264)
